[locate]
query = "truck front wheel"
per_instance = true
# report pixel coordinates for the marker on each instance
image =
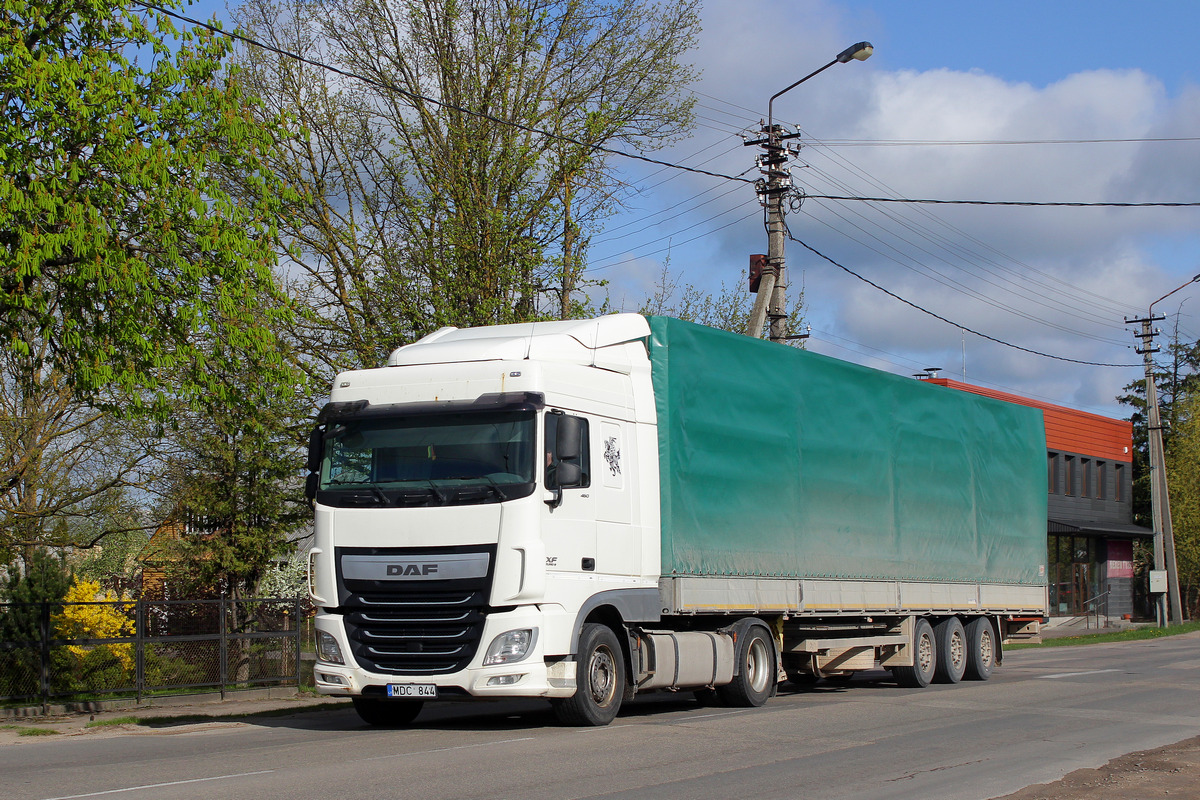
(599, 679)
(755, 676)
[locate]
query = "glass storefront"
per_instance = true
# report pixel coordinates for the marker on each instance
(1075, 566)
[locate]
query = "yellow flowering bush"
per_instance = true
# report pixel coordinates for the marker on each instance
(87, 615)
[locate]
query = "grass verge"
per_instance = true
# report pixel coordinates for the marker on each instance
(1131, 635)
(103, 723)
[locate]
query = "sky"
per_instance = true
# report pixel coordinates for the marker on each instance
(960, 101)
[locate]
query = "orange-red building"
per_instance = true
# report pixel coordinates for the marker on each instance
(1090, 526)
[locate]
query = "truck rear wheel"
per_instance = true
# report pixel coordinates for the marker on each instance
(951, 650)
(924, 647)
(755, 676)
(981, 649)
(599, 680)
(386, 713)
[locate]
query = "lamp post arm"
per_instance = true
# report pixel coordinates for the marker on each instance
(1168, 294)
(771, 102)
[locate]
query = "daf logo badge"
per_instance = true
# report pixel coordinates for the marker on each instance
(411, 569)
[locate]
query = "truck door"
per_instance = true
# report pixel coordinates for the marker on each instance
(569, 521)
(618, 544)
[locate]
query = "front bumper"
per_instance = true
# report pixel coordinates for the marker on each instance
(532, 676)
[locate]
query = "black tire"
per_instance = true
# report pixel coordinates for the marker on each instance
(755, 676)
(924, 647)
(981, 649)
(951, 644)
(387, 713)
(599, 680)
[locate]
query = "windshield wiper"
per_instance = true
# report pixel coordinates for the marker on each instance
(376, 497)
(495, 487)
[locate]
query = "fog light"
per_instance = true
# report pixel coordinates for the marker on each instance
(504, 680)
(328, 650)
(335, 679)
(510, 646)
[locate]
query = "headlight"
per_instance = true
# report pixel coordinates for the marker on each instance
(510, 646)
(328, 650)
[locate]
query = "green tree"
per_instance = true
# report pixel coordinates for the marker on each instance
(38, 578)
(118, 239)
(67, 469)
(428, 197)
(1183, 472)
(728, 309)
(1177, 378)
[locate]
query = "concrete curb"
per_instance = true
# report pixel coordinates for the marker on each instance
(157, 701)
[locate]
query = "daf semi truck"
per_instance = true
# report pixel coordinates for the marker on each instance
(584, 511)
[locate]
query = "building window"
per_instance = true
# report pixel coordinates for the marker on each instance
(1101, 480)
(1085, 484)
(1052, 472)
(1070, 488)
(1119, 483)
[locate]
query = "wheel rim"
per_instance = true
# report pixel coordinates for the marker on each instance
(925, 654)
(958, 650)
(602, 676)
(756, 664)
(985, 649)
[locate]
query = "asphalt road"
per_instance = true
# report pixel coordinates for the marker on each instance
(1045, 713)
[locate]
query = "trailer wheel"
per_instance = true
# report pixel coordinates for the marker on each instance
(924, 647)
(599, 680)
(386, 713)
(951, 650)
(754, 680)
(981, 649)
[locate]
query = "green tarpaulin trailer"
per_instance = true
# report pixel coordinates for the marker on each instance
(780, 463)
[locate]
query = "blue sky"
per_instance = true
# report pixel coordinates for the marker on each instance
(1036, 42)
(1053, 280)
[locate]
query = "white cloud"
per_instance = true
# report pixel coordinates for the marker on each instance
(1000, 270)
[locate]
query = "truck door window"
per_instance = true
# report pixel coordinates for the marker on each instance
(552, 457)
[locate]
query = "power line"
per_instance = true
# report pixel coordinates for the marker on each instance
(999, 202)
(617, 260)
(937, 316)
(989, 142)
(1101, 305)
(415, 96)
(596, 147)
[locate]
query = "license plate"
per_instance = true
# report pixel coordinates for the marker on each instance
(425, 691)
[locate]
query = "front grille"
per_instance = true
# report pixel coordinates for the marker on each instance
(399, 627)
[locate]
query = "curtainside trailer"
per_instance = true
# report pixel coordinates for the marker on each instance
(584, 511)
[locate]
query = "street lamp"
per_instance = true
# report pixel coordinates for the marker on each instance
(1160, 500)
(772, 290)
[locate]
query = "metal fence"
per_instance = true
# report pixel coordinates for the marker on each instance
(52, 651)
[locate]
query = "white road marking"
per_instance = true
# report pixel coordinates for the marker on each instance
(1076, 674)
(160, 785)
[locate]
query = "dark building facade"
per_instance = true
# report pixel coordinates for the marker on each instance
(1089, 528)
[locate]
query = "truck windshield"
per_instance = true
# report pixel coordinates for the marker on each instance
(460, 457)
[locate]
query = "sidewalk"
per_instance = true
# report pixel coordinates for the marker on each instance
(26, 724)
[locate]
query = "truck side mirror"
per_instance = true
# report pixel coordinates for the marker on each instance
(570, 439)
(316, 448)
(316, 452)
